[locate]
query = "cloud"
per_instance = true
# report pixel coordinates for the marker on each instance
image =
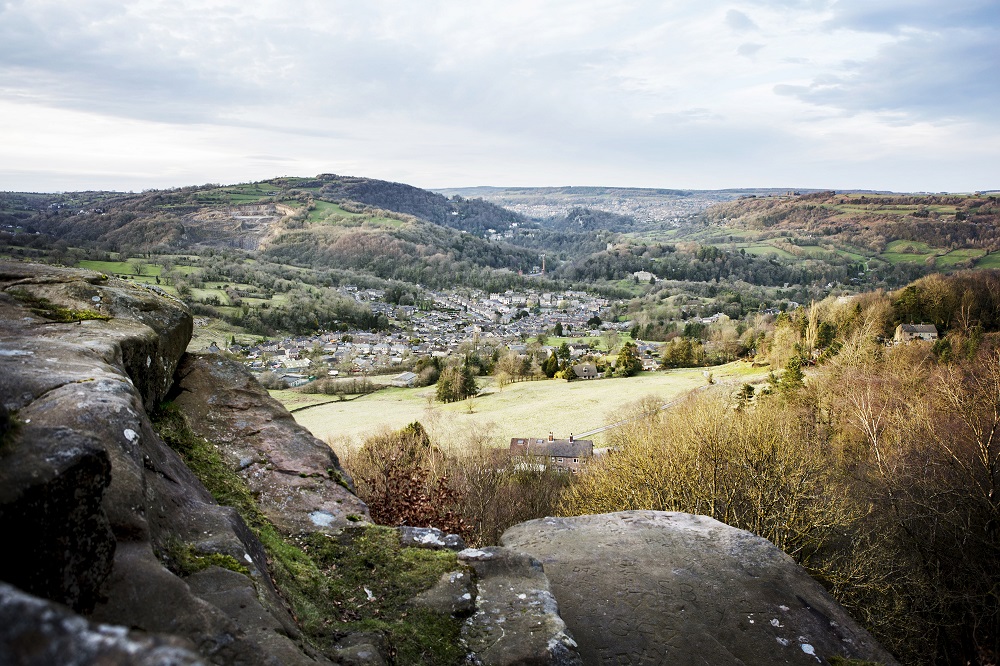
(749, 49)
(896, 16)
(739, 21)
(941, 76)
(440, 92)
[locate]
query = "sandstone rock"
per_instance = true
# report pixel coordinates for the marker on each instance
(454, 594)
(234, 594)
(59, 543)
(517, 619)
(296, 478)
(657, 587)
(144, 338)
(429, 537)
(37, 632)
(75, 398)
(361, 649)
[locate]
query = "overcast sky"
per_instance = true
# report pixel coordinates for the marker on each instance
(880, 94)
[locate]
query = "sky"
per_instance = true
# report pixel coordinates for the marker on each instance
(899, 95)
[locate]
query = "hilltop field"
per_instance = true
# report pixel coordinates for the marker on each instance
(523, 409)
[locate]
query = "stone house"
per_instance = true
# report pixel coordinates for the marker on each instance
(563, 455)
(909, 332)
(586, 371)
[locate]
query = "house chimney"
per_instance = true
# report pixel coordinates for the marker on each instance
(571, 438)
(550, 435)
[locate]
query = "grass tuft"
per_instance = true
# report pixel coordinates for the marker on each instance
(184, 560)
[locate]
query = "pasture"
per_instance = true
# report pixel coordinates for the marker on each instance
(519, 410)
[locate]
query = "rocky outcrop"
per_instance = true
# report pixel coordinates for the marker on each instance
(655, 587)
(297, 479)
(91, 500)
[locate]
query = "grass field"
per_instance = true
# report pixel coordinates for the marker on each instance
(758, 249)
(989, 261)
(958, 256)
(522, 409)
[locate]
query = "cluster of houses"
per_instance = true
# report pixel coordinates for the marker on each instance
(455, 318)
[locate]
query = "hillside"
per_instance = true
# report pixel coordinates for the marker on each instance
(243, 252)
(941, 231)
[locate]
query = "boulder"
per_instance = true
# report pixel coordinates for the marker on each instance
(38, 632)
(657, 587)
(516, 619)
(296, 478)
(454, 594)
(59, 543)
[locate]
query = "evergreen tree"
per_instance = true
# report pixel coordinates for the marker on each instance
(793, 377)
(550, 366)
(467, 383)
(446, 386)
(629, 362)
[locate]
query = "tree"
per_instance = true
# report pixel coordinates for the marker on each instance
(502, 379)
(446, 386)
(793, 379)
(612, 340)
(557, 330)
(628, 362)
(456, 383)
(550, 366)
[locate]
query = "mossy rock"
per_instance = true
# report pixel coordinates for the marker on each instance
(359, 580)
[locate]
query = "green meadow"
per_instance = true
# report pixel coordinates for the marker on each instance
(521, 409)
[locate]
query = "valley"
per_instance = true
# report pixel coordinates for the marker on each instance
(416, 335)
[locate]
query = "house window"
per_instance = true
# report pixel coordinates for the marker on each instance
(576, 460)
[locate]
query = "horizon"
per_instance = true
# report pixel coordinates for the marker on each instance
(441, 190)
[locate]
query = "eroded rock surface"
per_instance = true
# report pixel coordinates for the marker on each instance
(655, 587)
(516, 619)
(296, 478)
(37, 632)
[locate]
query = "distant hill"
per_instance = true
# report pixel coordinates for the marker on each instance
(593, 236)
(644, 204)
(872, 221)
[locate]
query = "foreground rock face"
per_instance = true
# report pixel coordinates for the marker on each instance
(296, 478)
(654, 587)
(91, 499)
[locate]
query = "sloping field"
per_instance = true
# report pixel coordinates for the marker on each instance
(520, 410)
